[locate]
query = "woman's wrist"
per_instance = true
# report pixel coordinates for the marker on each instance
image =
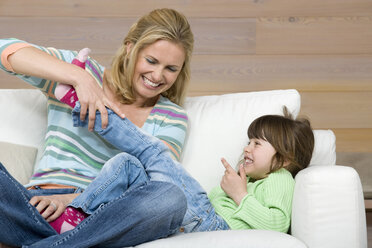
(69, 198)
(77, 76)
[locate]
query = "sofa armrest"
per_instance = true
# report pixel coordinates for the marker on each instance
(328, 208)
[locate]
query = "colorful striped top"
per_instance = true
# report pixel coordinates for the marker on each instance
(73, 155)
(268, 204)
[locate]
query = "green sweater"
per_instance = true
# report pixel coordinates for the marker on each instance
(267, 205)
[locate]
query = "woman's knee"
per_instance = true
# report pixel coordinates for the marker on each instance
(123, 158)
(170, 198)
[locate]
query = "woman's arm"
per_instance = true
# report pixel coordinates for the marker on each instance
(34, 62)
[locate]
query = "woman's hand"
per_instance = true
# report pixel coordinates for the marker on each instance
(52, 206)
(92, 97)
(34, 62)
(234, 185)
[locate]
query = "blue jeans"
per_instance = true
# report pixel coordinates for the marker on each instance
(152, 159)
(140, 214)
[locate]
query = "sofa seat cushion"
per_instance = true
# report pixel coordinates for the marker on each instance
(231, 238)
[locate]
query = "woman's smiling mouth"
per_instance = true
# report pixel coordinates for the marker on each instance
(150, 83)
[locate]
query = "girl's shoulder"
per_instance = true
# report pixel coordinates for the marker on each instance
(281, 174)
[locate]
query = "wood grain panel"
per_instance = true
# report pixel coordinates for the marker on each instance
(234, 73)
(221, 73)
(338, 109)
(311, 35)
(191, 8)
(101, 35)
(224, 35)
(353, 140)
(104, 35)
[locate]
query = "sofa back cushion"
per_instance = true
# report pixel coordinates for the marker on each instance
(218, 128)
(24, 117)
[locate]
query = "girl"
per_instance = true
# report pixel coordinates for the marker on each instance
(258, 197)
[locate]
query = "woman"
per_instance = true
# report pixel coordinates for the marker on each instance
(146, 83)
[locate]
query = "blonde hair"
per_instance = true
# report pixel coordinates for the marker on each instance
(159, 24)
(293, 140)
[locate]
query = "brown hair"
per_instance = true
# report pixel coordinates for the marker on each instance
(293, 140)
(159, 24)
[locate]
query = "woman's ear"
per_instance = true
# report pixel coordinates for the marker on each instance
(129, 47)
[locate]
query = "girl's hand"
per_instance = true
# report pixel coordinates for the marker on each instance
(52, 206)
(234, 185)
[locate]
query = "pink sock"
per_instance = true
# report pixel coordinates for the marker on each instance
(66, 93)
(68, 220)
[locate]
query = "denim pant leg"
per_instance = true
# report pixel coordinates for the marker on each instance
(20, 222)
(159, 166)
(141, 214)
(117, 175)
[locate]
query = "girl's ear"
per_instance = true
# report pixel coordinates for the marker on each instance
(286, 163)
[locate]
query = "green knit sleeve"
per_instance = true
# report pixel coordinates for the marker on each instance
(268, 206)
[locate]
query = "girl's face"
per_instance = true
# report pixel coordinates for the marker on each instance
(157, 68)
(257, 158)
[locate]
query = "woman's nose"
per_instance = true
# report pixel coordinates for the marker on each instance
(157, 75)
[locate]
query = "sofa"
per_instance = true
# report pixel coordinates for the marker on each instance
(328, 206)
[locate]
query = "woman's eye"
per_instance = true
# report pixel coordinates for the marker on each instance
(150, 61)
(172, 69)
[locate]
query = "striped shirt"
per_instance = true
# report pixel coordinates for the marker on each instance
(268, 204)
(72, 155)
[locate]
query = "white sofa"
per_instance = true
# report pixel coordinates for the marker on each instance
(328, 206)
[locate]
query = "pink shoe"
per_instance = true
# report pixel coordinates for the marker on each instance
(66, 93)
(68, 220)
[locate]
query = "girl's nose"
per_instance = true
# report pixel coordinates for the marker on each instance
(246, 148)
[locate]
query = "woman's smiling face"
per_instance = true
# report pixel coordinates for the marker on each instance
(157, 68)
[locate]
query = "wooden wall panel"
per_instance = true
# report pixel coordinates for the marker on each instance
(314, 35)
(323, 48)
(302, 72)
(68, 33)
(353, 139)
(191, 8)
(234, 73)
(103, 36)
(338, 109)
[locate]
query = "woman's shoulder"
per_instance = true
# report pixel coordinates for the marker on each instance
(167, 107)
